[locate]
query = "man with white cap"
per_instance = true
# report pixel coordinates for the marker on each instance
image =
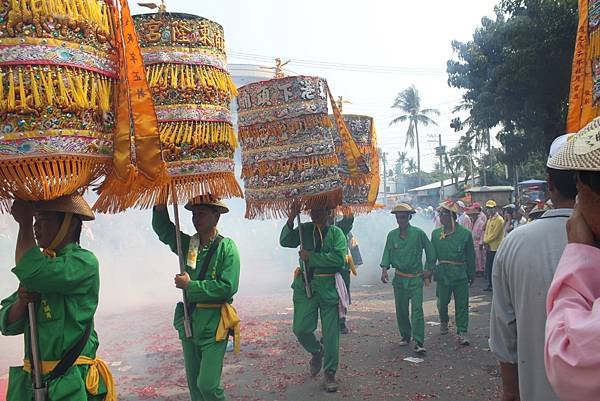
(210, 281)
(523, 269)
(463, 218)
(404, 252)
(572, 348)
(62, 279)
(493, 236)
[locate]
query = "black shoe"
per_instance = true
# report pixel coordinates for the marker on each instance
(330, 384)
(487, 289)
(420, 349)
(316, 362)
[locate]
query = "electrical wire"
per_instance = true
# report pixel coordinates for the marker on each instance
(365, 68)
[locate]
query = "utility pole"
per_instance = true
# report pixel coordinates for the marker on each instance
(441, 152)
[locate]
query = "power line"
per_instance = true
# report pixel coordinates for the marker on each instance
(366, 68)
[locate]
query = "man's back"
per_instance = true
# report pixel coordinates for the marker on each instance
(523, 270)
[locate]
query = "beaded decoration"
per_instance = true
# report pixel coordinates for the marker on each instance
(186, 68)
(288, 152)
(58, 70)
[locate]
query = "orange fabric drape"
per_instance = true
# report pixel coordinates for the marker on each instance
(356, 163)
(133, 176)
(581, 109)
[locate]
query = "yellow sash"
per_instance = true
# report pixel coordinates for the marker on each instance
(98, 368)
(351, 265)
(229, 321)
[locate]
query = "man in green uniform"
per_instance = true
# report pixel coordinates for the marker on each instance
(404, 252)
(345, 224)
(455, 270)
(323, 255)
(63, 282)
(211, 280)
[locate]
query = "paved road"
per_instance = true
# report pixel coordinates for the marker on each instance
(148, 364)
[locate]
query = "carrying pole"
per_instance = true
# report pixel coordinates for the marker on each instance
(186, 312)
(302, 264)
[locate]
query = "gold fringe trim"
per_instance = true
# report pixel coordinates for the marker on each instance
(197, 133)
(117, 194)
(362, 179)
(189, 77)
(139, 192)
(357, 209)
(278, 128)
(49, 177)
(220, 185)
(279, 208)
(82, 14)
(274, 167)
(65, 88)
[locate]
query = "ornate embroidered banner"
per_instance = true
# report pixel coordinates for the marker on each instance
(360, 193)
(287, 148)
(57, 110)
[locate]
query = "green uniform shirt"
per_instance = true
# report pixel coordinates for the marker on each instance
(68, 285)
(220, 283)
(457, 248)
(332, 256)
(406, 254)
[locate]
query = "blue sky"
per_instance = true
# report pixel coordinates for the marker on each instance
(411, 38)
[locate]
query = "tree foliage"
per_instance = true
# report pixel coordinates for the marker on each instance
(409, 103)
(516, 73)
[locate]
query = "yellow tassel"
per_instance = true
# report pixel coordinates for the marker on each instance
(104, 92)
(61, 87)
(35, 89)
(48, 85)
(2, 107)
(75, 95)
(44, 9)
(22, 96)
(173, 76)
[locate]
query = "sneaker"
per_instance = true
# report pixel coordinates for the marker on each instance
(444, 328)
(487, 289)
(463, 339)
(316, 362)
(404, 342)
(330, 384)
(420, 349)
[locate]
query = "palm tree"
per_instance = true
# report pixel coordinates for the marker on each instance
(412, 166)
(409, 103)
(402, 157)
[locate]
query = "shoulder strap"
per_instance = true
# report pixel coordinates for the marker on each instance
(69, 359)
(209, 255)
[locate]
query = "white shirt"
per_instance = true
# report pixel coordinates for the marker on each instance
(522, 273)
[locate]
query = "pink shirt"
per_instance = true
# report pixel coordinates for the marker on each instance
(572, 349)
(479, 228)
(465, 221)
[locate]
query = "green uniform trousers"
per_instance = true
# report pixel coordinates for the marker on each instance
(461, 304)
(412, 294)
(324, 300)
(203, 366)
